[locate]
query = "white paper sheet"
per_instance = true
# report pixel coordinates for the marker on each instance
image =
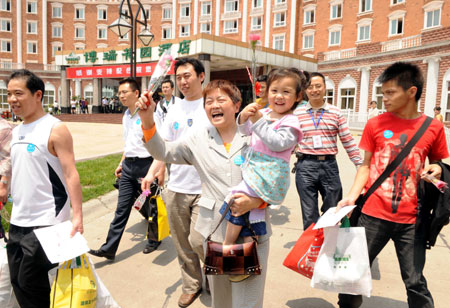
(331, 217)
(57, 243)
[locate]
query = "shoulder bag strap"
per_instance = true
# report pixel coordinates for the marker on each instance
(394, 164)
(247, 222)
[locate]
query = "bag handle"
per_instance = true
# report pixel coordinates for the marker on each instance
(398, 159)
(247, 223)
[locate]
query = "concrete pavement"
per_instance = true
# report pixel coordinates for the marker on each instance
(136, 280)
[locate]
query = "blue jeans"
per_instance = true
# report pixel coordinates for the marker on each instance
(409, 244)
(314, 176)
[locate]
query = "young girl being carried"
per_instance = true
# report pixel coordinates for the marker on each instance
(275, 132)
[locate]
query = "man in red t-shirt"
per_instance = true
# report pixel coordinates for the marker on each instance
(391, 211)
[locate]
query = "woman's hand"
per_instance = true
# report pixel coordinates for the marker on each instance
(243, 203)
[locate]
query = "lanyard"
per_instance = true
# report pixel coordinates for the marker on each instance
(312, 117)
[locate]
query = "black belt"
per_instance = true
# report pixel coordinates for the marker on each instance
(137, 158)
(301, 156)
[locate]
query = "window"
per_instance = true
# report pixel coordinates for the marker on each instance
(79, 32)
(79, 46)
(5, 46)
(184, 10)
(231, 26)
(257, 4)
(231, 5)
(256, 23)
(48, 99)
(147, 13)
(57, 30)
(167, 13)
(447, 112)
(379, 97)
(32, 27)
(5, 25)
(433, 18)
(309, 16)
(102, 14)
(348, 98)
(205, 28)
(280, 1)
(31, 47)
(329, 94)
(5, 5)
(3, 90)
(166, 33)
(365, 6)
(79, 13)
(308, 41)
(364, 33)
(335, 37)
(31, 7)
(184, 30)
(393, 2)
(396, 26)
(56, 48)
(102, 33)
(336, 11)
(278, 42)
(57, 12)
(206, 8)
(280, 19)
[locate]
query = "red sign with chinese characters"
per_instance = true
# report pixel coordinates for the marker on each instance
(112, 71)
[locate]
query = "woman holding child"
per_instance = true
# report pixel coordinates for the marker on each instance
(217, 153)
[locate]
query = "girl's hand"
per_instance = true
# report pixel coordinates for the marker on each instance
(249, 111)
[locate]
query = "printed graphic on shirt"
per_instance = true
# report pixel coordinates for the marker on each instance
(190, 122)
(31, 147)
(138, 122)
(401, 185)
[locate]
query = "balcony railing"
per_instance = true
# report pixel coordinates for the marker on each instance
(30, 66)
(339, 54)
(407, 42)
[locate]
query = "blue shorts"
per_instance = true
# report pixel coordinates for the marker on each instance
(258, 227)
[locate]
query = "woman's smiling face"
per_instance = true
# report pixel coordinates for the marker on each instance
(220, 109)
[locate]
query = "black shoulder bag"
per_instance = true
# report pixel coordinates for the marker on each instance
(389, 169)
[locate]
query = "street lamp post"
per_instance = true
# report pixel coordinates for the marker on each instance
(122, 26)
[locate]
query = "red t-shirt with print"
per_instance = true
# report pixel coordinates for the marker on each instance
(385, 136)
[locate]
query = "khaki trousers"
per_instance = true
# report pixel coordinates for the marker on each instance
(182, 211)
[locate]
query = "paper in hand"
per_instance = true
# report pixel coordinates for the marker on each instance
(57, 243)
(331, 217)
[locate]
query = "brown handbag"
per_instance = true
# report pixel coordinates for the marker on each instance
(236, 259)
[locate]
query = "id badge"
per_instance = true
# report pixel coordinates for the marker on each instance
(317, 142)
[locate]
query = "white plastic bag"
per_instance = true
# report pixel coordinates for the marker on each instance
(104, 298)
(343, 262)
(7, 298)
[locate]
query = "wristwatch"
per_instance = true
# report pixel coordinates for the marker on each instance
(4, 182)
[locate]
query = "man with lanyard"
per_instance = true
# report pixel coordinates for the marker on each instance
(133, 166)
(184, 187)
(165, 103)
(391, 211)
(316, 168)
(44, 185)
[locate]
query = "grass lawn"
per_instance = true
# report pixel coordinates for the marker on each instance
(96, 177)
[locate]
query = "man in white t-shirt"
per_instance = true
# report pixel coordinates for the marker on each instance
(133, 166)
(43, 185)
(184, 187)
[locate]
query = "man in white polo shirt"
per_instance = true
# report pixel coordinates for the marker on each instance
(184, 186)
(133, 166)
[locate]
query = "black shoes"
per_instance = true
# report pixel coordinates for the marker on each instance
(102, 254)
(151, 246)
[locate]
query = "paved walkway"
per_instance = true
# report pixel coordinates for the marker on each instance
(136, 280)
